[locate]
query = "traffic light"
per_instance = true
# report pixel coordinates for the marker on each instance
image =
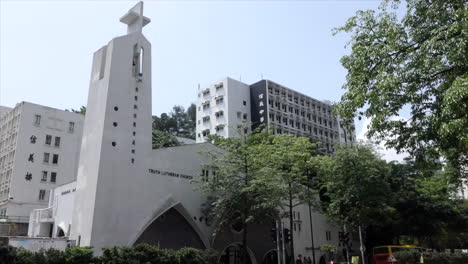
(273, 234)
(340, 236)
(287, 235)
(343, 238)
(346, 238)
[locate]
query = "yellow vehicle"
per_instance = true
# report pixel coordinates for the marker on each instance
(383, 254)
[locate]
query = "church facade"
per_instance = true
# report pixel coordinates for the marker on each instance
(127, 193)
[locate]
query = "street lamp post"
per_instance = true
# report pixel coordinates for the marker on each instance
(310, 176)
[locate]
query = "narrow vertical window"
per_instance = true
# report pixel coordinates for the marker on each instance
(57, 141)
(140, 61)
(44, 176)
(55, 159)
(48, 139)
(71, 127)
(53, 177)
(42, 195)
(46, 157)
(37, 120)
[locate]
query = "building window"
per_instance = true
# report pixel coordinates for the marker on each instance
(245, 116)
(219, 113)
(244, 102)
(46, 157)
(53, 177)
(328, 235)
(37, 120)
(48, 139)
(71, 127)
(55, 159)
(204, 175)
(239, 115)
(42, 195)
(57, 141)
(44, 176)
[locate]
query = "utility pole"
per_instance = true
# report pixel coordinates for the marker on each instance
(312, 234)
(284, 248)
(310, 176)
(278, 228)
(346, 246)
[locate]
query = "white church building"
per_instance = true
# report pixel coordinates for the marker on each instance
(127, 193)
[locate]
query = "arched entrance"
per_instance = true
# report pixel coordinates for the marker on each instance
(171, 230)
(60, 232)
(271, 257)
(232, 255)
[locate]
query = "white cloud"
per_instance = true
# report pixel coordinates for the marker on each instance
(389, 154)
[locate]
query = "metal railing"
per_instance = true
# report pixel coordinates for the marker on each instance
(14, 219)
(43, 215)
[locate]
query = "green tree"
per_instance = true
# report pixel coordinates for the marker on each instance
(418, 63)
(290, 158)
(423, 202)
(242, 189)
(356, 180)
(163, 139)
(178, 122)
(82, 110)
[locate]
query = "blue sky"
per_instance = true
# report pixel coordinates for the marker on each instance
(46, 47)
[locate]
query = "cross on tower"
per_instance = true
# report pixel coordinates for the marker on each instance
(134, 19)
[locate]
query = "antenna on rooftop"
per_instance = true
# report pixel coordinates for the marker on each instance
(199, 87)
(261, 75)
(240, 78)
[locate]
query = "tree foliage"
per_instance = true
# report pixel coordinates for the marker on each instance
(356, 180)
(161, 139)
(82, 110)
(260, 177)
(290, 159)
(242, 189)
(418, 63)
(394, 202)
(179, 122)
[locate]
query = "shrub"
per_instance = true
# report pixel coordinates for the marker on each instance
(139, 254)
(413, 257)
(8, 254)
(79, 255)
(147, 254)
(407, 257)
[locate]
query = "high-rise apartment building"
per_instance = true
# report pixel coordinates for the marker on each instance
(221, 108)
(225, 105)
(38, 152)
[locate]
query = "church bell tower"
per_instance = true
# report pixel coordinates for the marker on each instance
(116, 137)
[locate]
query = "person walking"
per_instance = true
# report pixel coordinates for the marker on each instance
(299, 259)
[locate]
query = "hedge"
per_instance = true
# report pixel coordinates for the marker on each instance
(140, 254)
(413, 257)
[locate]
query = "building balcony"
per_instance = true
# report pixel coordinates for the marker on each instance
(14, 219)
